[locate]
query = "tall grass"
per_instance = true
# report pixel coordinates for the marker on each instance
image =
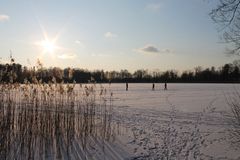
(234, 103)
(40, 120)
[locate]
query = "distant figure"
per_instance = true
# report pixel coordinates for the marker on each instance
(153, 86)
(165, 86)
(126, 86)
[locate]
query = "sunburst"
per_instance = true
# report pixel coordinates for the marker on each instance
(48, 46)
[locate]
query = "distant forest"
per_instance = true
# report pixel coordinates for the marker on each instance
(16, 73)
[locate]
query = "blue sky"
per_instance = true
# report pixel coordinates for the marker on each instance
(111, 34)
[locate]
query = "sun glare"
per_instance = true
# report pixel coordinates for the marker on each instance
(48, 46)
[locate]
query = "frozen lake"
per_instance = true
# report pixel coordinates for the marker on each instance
(185, 97)
(187, 121)
(183, 122)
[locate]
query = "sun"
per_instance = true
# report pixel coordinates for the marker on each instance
(48, 46)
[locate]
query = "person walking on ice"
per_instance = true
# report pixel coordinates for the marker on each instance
(153, 86)
(165, 86)
(126, 86)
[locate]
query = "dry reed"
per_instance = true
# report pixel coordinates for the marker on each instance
(41, 120)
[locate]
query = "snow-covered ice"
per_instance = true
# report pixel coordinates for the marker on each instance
(187, 121)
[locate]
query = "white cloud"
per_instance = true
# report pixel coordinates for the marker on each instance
(152, 49)
(153, 7)
(66, 56)
(4, 17)
(80, 43)
(110, 35)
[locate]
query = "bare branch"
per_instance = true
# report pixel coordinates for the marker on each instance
(227, 15)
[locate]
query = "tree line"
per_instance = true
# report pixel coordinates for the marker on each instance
(16, 73)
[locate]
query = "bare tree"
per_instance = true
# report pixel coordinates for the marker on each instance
(234, 103)
(227, 15)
